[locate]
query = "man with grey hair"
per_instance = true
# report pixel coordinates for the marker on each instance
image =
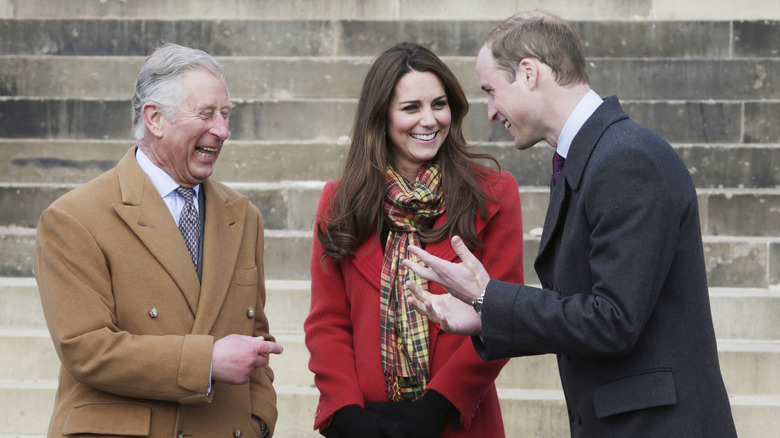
(623, 301)
(151, 276)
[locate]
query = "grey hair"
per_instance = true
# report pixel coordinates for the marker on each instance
(160, 80)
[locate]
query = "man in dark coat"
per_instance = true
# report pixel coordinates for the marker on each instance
(624, 300)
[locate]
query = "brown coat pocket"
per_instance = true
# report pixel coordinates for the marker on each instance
(126, 419)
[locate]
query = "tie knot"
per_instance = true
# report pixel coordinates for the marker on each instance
(557, 165)
(558, 161)
(186, 192)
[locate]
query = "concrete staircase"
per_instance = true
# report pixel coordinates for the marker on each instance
(707, 82)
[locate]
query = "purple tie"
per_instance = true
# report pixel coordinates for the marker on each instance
(557, 165)
(189, 223)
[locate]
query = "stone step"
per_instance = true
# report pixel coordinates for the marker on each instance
(525, 412)
(749, 368)
(347, 36)
(751, 262)
(330, 119)
(32, 161)
(340, 77)
(388, 9)
(291, 205)
(739, 314)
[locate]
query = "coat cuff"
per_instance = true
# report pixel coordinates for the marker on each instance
(195, 368)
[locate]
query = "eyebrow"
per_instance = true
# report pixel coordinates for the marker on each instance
(405, 102)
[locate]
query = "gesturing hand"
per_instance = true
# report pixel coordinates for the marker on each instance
(465, 281)
(452, 314)
(235, 357)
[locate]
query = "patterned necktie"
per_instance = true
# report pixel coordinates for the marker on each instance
(189, 223)
(557, 165)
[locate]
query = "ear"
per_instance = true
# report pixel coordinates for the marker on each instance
(153, 119)
(528, 72)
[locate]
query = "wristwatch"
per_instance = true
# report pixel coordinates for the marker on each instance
(477, 304)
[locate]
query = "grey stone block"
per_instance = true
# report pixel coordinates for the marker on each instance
(112, 37)
(16, 247)
(69, 76)
(445, 38)
(759, 38)
(748, 214)
(65, 118)
(735, 263)
(682, 79)
(62, 162)
(654, 39)
(737, 166)
(761, 122)
(690, 122)
(22, 206)
(774, 265)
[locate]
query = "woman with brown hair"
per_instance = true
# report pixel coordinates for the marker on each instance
(410, 178)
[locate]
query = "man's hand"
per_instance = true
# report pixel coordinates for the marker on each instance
(452, 314)
(235, 357)
(465, 281)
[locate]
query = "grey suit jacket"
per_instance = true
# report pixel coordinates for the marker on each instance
(624, 302)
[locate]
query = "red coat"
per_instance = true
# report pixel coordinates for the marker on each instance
(343, 329)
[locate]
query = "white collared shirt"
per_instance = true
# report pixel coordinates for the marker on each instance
(578, 117)
(165, 186)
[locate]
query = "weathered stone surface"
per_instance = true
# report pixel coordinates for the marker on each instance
(654, 39)
(733, 166)
(690, 122)
(736, 263)
(759, 38)
(139, 37)
(774, 265)
(761, 122)
(744, 214)
(322, 9)
(315, 37)
(682, 79)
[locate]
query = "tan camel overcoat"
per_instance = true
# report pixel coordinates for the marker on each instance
(131, 323)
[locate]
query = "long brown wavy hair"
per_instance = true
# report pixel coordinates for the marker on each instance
(357, 202)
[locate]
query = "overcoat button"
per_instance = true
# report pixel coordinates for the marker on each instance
(250, 313)
(237, 433)
(153, 312)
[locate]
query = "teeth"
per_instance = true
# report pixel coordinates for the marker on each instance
(507, 125)
(208, 151)
(424, 137)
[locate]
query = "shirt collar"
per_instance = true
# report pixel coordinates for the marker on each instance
(161, 180)
(578, 117)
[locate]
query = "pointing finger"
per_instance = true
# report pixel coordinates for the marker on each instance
(462, 251)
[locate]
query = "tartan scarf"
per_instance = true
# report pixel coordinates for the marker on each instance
(408, 207)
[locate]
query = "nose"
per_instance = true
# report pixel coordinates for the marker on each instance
(220, 126)
(427, 119)
(491, 111)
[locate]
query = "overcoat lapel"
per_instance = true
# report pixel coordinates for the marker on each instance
(582, 147)
(145, 213)
(223, 231)
(370, 254)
